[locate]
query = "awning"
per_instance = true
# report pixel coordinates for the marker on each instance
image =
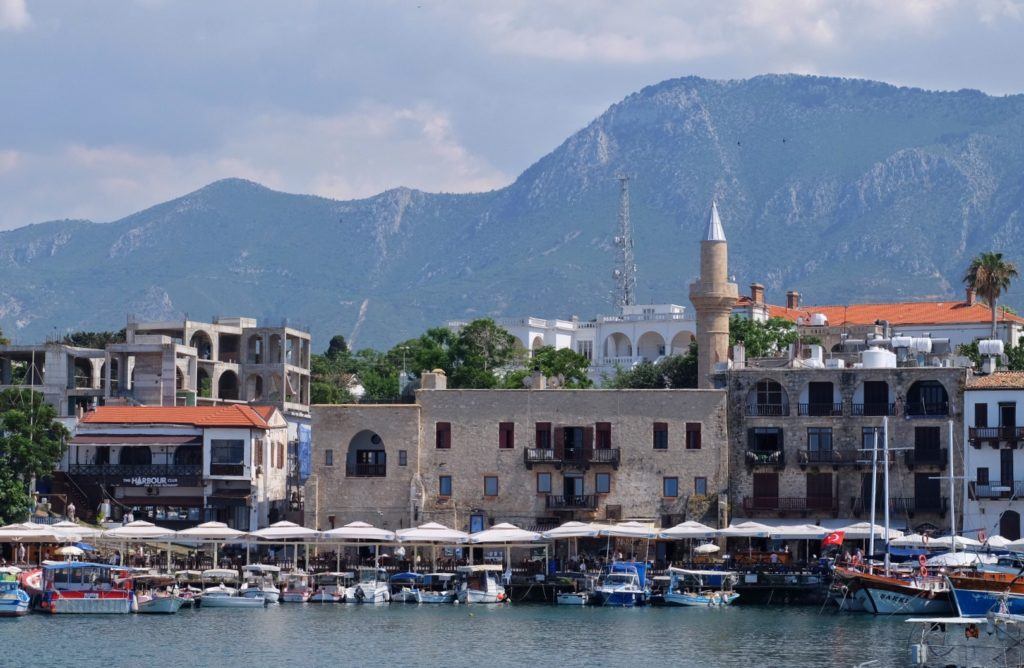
(228, 498)
(133, 439)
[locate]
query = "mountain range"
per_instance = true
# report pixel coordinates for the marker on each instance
(846, 190)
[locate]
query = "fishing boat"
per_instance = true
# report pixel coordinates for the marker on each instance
(13, 600)
(261, 581)
(479, 584)
(438, 588)
(81, 587)
(906, 592)
(405, 588)
(994, 640)
(332, 587)
(705, 589)
(296, 587)
(156, 594)
(223, 594)
(977, 594)
(371, 588)
(190, 588)
(622, 584)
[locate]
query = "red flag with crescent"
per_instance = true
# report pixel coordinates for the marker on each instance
(834, 538)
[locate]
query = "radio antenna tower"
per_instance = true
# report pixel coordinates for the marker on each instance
(625, 273)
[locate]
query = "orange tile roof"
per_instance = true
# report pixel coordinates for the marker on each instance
(1000, 380)
(898, 313)
(233, 415)
(265, 412)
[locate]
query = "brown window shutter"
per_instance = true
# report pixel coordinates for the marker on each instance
(693, 435)
(543, 428)
(588, 443)
(559, 442)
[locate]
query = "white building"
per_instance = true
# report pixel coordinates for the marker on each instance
(640, 332)
(993, 462)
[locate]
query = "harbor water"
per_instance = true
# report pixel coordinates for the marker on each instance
(409, 635)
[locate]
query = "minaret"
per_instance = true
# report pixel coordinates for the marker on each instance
(713, 297)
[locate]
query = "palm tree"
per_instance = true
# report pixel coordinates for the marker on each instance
(990, 275)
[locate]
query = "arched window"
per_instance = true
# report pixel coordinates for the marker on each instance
(366, 456)
(927, 398)
(1009, 525)
(188, 455)
(767, 398)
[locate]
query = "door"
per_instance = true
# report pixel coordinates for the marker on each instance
(819, 491)
(926, 444)
(572, 488)
(1006, 469)
(766, 490)
(819, 398)
(1008, 418)
(876, 397)
(1009, 525)
(927, 492)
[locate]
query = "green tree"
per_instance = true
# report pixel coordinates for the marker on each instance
(31, 444)
(481, 350)
(672, 372)
(94, 339)
(4, 341)
(565, 362)
(990, 275)
(762, 339)
(337, 347)
(1014, 355)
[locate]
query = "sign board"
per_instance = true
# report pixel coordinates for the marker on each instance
(305, 452)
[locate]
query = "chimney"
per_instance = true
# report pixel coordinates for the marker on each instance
(793, 299)
(757, 294)
(972, 296)
(537, 380)
(434, 380)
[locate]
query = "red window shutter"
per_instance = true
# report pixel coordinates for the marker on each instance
(604, 435)
(506, 435)
(693, 435)
(542, 429)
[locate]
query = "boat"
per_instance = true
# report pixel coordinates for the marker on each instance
(994, 640)
(705, 589)
(438, 588)
(332, 587)
(296, 587)
(572, 598)
(190, 588)
(223, 595)
(372, 587)
(405, 588)
(156, 594)
(622, 584)
(479, 584)
(1008, 563)
(82, 587)
(13, 599)
(900, 593)
(261, 580)
(976, 594)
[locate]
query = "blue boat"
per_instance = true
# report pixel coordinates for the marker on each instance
(13, 600)
(979, 593)
(623, 584)
(406, 588)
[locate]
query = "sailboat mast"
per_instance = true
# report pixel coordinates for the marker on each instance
(885, 457)
(874, 491)
(952, 490)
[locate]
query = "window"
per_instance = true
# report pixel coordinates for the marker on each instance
(585, 348)
(490, 485)
(443, 432)
(506, 435)
(603, 483)
(700, 486)
(403, 457)
(328, 457)
(982, 476)
(258, 454)
(661, 436)
(670, 487)
(765, 439)
(227, 452)
(543, 483)
(819, 439)
(603, 435)
(693, 435)
(867, 440)
(444, 485)
(981, 415)
(543, 440)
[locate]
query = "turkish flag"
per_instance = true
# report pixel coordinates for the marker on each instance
(834, 538)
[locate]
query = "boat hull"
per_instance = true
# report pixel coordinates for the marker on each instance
(14, 604)
(714, 600)
(88, 604)
(407, 596)
(368, 594)
(233, 602)
(294, 597)
(976, 603)
(161, 605)
(619, 598)
(479, 596)
(327, 597)
(572, 599)
(437, 597)
(908, 601)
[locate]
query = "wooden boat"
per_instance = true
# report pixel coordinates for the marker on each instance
(332, 587)
(904, 593)
(13, 600)
(976, 594)
(479, 584)
(156, 594)
(406, 588)
(704, 589)
(81, 587)
(438, 588)
(296, 587)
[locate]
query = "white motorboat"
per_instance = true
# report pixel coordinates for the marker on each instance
(704, 589)
(261, 580)
(297, 587)
(13, 600)
(623, 584)
(371, 588)
(479, 584)
(222, 595)
(438, 588)
(156, 594)
(406, 588)
(332, 587)
(572, 598)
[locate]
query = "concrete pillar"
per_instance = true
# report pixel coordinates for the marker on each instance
(106, 375)
(6, 371)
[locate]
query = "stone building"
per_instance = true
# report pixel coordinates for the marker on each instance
(800, 439)
(538, 457)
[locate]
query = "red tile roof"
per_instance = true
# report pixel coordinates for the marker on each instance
(233, 415)
(1000, 380)
(898, 313)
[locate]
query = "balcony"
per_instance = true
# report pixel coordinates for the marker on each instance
(820, 410)
(776, 458)
(140, 475)
(572, 502)
(797, 505)
(767, 410)
(224, 469)
(995, 435)
(995, 490)
(865, 410)
(937, 458)
(918, 410)
(833, 458)
(571, 457)
(362, 470)
(900, 506)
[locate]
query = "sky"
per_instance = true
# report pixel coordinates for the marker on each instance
(109, 107)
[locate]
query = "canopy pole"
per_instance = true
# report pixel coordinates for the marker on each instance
(247, 560)
(337, 558)
(168, 557)
(216, 561)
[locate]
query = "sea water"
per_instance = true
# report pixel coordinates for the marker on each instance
(457, 635)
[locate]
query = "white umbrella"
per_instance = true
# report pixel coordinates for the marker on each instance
(359, 531)
(746, 530)
(798, 532)
(689, 529)
(628, 530)
(74, 530)
(286, 531)
(706, 548)
(956, 559)
(211, 531)
(432, 532)
(28, 532)
(139, 530)
(71, 551)
(998, 542)
(946, 542)
(504, 533)
(572, 530)
(863, 531)
(913, 540)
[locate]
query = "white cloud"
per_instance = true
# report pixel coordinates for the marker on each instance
(14, 15)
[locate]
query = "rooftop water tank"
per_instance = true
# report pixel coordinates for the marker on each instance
(990, 347)
(902, 341)
(819, 320)
(923, 345)
(878, 358)
(835, 363)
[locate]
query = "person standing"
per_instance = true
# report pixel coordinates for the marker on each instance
(71, 511)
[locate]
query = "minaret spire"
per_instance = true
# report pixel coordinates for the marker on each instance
(715, 231)
(713, 297)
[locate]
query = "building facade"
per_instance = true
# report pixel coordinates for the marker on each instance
(993, 461)
(179, 466)
(472, 458)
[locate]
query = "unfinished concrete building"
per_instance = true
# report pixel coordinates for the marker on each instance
(69, 378)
